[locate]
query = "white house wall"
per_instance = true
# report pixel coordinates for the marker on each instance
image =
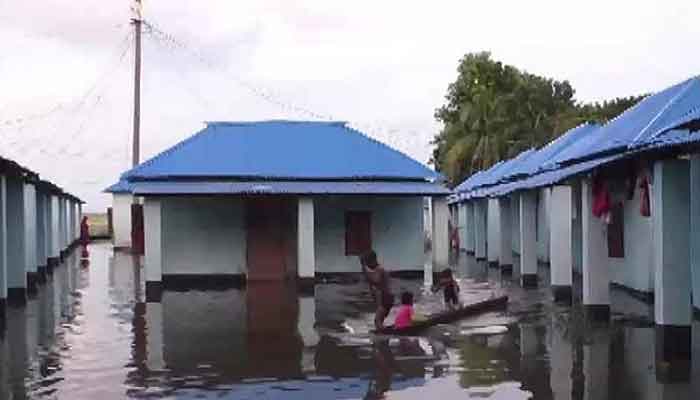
(635, 270)
(121, 219)
(397, 232)
(203, 235)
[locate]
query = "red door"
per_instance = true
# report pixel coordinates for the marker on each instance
(267, 225)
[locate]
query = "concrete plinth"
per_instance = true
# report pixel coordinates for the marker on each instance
(562, 294)
(154, 291)
(673, 353)
(528, 281)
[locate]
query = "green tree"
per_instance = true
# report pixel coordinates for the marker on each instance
(494, 111)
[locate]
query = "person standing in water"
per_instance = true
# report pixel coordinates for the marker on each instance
(378, 279)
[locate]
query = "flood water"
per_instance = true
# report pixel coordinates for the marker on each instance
(88, 334)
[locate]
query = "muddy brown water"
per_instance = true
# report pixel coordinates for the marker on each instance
(87, 334)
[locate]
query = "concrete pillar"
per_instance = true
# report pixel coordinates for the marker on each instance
(153, 257)
(528, 245)
(3, 247)
(560, 244)
(469, 222)
(515, 222)
(671, 232)
(695, 228)
(121, 219)
(543, 224)
(493, 235)
(462, 224)
(306, 251)
(54, 247)
(30, 227)
(480, 234)
(61, 226)
(441, 238)
(596, 272)
(505, 252)
(16, 260)
(41, 233)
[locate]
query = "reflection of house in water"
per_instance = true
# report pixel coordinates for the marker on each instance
(234, 336)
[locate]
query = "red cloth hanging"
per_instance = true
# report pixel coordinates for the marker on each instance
(601, 197)
(644, 206)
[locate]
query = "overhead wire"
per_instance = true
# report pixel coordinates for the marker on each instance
(392, 135)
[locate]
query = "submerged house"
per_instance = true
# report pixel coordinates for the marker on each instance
(275, 199)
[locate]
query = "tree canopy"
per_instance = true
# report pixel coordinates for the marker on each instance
(494, 111)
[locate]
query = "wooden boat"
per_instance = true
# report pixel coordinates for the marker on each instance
(496, 303)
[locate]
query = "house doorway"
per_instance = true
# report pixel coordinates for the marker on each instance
(271, 238)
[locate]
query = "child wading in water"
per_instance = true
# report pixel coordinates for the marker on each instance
(404, 318)
(450, 289)
(378, 280)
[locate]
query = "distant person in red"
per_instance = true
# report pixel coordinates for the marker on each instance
(84, 236)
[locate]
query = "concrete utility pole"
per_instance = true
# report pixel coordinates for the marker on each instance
(136, 20)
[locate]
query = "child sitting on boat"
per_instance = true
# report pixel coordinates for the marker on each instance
(404, 318)
(450, 289)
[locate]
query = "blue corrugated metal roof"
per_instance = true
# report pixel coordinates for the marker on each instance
(120, 187)
(281, 150)
(492, 175)
(549, 155)
(288, 187)
(641, 123)
(648, 126)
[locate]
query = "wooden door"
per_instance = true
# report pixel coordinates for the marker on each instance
(137, 233)
(267, 226)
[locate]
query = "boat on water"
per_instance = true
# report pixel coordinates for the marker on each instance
(495, 303)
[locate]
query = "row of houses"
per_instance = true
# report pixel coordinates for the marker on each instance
(618, 204)
(39, 223)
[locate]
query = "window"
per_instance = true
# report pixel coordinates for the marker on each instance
(616, 232)
(358, 232)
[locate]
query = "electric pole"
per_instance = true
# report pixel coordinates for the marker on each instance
(136, 20)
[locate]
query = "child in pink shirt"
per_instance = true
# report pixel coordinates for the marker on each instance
(404, 318)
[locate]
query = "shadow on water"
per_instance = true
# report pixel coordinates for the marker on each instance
(88, 334)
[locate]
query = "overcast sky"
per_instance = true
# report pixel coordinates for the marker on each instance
(382, 65)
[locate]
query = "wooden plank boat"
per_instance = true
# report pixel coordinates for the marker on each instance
(496, 303)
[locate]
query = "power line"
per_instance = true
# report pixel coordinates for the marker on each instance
(24, 120)
(393, 136)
